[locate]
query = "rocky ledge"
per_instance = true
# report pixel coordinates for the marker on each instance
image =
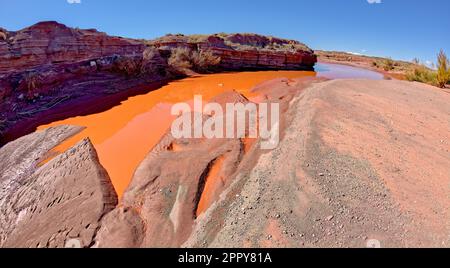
(245, 51)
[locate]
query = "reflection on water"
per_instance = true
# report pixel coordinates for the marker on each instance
(337, 71)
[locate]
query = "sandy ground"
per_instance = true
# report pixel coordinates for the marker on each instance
(361, 161)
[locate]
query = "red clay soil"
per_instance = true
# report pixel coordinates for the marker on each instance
(359, 160)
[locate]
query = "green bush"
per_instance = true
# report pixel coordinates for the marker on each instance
(388, 65)
(423, 75)
(443, 71)
(438, 78)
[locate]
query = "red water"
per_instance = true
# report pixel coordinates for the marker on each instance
(125, 134)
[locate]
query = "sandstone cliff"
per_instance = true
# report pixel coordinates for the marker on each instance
(48, 69)
(50, 43)
(246, 51)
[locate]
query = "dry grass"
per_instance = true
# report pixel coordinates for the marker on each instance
(3, 36)
(388, 65)
(180, 60)
(30, 82)
(439, 78)
(128, 66)
(423, 75)
(136, 66)
(2, 125)
(183, 60)
(204, 61)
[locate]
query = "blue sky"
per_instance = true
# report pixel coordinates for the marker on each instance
(401, 29)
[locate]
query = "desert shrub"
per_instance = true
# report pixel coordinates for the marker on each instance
(128, 66)
(197, 38)
(422, 74)
(180, 60)
(2, 125)
(374, 64)
(388, 65)
(153, 63)
(204, 61)
(149, 54)
(3, 36)
(183, 60)
(30, 82)
(443, 71)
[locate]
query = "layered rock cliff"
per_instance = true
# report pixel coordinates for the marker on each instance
(246, 51)
(48, 68)
(51, 43)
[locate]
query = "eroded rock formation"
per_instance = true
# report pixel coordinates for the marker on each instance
(46, 206)
(246, 51)
(52, 43)
(161, 204)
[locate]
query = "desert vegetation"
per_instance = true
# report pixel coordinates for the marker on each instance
(30, 83)
(135, 66)
(443, 71)
(422, 74)
(439, 77)
(388, 65)
(2, 125)
(128, 66)
(183, 60)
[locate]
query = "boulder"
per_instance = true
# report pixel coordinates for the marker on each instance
(52, 204)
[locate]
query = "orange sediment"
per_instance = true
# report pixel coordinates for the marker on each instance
(124, 134)
(213, 183)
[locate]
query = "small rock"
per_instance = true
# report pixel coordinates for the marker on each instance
(329, 218)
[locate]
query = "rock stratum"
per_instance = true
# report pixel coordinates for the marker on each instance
(52, 43)
(48, 70)
(358, 161)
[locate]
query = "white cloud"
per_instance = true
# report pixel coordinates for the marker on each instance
(374, 1)
(74, 1)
